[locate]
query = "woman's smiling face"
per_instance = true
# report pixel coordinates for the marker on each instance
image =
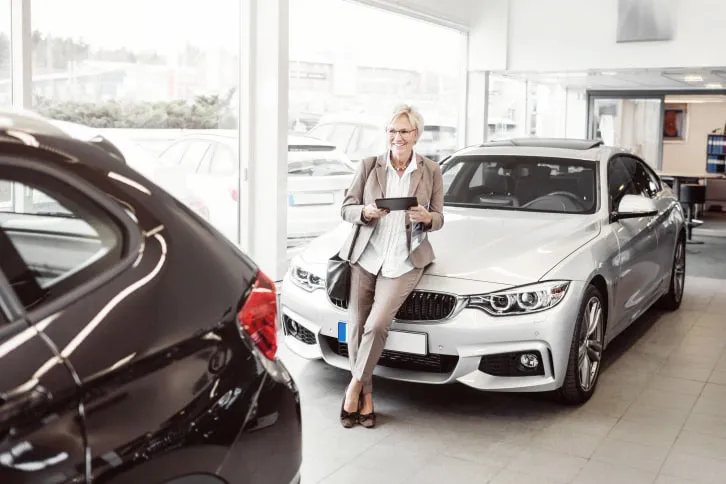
(402, 137)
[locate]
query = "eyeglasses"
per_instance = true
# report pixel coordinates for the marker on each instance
(403, 132)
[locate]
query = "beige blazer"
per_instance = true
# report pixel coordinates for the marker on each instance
(427, 186)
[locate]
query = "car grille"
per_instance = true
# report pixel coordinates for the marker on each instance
(419, 306)
(431, 363)
(298, 331)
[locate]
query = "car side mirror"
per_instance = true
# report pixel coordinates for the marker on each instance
(635, 206)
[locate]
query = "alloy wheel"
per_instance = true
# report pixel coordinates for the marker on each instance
(679, 271)
(591, 344)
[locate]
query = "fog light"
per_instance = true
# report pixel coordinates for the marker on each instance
(528, 360)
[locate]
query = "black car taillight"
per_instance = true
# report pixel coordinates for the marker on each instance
(258, 316)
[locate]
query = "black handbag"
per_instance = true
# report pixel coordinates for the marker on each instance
(337, 277)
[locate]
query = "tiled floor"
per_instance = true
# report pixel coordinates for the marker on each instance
(658, 416)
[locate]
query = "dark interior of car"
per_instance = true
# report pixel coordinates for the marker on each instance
(521, 183)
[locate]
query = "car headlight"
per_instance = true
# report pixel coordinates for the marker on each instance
(306, 279)
(521, 300)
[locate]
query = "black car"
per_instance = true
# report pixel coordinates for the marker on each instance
(137, 345)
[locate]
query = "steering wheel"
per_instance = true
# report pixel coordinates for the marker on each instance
(568, 195)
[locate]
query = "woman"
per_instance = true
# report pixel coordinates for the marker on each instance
(390, 251)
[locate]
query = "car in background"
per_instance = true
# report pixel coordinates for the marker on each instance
(137, 344)
(549, 250)
(141, 160)
(360, 136)
(318, 178)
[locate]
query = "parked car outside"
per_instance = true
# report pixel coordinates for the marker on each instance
(137, 343)
(318, 176)
(361, 136)
(550, 249)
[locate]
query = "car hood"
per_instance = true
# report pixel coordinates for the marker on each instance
(495, 246)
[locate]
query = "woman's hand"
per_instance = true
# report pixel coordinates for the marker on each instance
(372, 212)
(420, 214)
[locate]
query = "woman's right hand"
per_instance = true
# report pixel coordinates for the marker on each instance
(372, 212)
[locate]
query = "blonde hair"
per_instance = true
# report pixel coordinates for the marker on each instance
(413, 115)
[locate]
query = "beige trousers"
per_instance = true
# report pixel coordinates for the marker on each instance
(374, 302)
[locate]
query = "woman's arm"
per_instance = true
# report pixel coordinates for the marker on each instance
(436, 207)
(352, 209)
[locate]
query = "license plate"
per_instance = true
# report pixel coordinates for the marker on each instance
(401, 341)
(298, 199)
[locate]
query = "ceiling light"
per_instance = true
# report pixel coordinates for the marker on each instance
(693, 78)
(714, 85)
(609, 73)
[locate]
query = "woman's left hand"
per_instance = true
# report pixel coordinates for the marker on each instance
(420, 214)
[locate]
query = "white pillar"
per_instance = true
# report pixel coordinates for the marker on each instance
(21, 58)
(263, 133)
(477, 110)
(21, 71)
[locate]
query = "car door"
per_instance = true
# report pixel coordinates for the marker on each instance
(665, 224)
(638, 260)
(42, 431)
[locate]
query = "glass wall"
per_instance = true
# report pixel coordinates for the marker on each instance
(507, 112)
(346, 75)
(160, 79)
(555, 111)
(632, 123)
(5, 60)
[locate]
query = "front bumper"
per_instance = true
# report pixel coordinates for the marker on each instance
(472, 347)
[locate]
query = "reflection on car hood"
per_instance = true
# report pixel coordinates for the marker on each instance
(496, 246)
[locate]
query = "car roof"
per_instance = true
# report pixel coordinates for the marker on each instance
(581, 149)
(30, 122)
(230, 138)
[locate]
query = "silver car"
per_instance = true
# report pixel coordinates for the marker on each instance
(549, 250)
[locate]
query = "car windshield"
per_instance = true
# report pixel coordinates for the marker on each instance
(317, 163)
(530, 183)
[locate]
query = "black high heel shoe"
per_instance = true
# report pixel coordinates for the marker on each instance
(348, 419)
(367, 420)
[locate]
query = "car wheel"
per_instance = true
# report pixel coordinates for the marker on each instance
(672, 300)
(583, 368)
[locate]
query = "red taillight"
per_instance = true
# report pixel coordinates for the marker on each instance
(258, 316)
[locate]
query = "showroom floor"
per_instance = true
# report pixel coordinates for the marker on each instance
(658, 415)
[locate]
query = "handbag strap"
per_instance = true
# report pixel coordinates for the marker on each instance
(367, 168)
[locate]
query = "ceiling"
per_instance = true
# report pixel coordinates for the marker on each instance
(630, 79)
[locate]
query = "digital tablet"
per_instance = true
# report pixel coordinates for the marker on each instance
(403, 203)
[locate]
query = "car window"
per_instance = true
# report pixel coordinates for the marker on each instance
(173, 154)
(193, 156)
(322, 132)
(620, 179)
(650, 182)
(521, 183)
(6, 194)
(223, 161)
(369, 139)
(339, 135)
(317, 163)
(52, 239)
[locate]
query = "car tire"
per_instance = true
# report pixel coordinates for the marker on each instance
(673, 298)
(587, 342)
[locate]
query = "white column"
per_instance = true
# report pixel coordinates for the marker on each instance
(477, 111)
(21, 70)
(263, 133)
(21, 59)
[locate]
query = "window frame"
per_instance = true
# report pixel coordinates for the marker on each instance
(616, 158)
(130, 233)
